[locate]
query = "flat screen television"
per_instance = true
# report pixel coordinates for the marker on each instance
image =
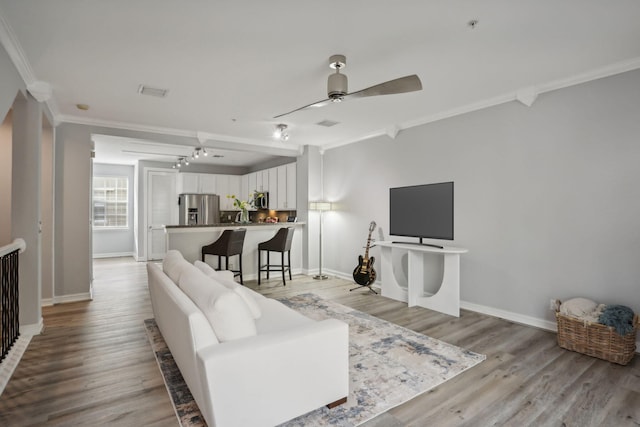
(422, 211)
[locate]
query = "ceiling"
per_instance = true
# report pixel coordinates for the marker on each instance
(230, 67)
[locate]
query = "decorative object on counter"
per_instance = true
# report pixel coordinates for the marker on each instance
(364, 274)
(244, 205)
(321, 207)
(271, 220)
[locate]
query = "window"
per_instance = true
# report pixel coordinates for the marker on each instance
(110, 202)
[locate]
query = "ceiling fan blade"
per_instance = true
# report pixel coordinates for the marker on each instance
(314, 105)
(402, 85)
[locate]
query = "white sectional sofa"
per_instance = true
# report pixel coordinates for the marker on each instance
(247, 360)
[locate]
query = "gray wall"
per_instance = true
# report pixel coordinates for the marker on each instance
(72, 214)
(5, 180)
(25, 202)
(546, 198)
(119, 242)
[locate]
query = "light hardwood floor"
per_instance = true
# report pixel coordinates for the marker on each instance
(93, 365)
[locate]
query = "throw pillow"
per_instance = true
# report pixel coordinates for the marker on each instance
(227, 313)
(236, 287)
(173, 264)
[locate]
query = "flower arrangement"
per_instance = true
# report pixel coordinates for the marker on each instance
(243, 205)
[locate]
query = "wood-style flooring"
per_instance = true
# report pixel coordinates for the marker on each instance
(93, 365)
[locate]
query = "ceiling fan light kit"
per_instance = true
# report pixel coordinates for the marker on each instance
(337, 86)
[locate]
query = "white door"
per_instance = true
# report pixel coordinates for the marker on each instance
(161, 210)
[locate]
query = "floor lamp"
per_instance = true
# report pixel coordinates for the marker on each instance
(320, 207)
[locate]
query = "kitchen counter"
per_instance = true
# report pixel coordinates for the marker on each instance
(189, 240)
(225, 225)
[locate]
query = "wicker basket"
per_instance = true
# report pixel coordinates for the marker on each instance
(595, 339)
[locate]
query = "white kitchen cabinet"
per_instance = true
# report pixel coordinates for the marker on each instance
(188, 183)
(284, 197)
(222, 189)
(292, 186)
(244, 187)
(281, 172)
(199, 183)
(259, 184)
(208, 183)
(253, 183)
(273, 188)
(265, 180)
(233, 188)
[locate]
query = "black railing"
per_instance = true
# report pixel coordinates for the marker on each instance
(9, 305)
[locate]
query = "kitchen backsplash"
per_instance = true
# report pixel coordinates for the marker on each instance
(261, 215)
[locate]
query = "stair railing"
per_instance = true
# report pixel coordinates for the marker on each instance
(9, 303)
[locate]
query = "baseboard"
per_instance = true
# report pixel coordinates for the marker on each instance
(32, 329)
(46, 302)
(510, 315)
(86, 296)
(490, 311)
(114, 255)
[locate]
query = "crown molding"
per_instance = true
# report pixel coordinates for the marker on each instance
(10, 42)
(201, 137)
(526, 95)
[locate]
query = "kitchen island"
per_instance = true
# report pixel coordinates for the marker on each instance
(189, 240)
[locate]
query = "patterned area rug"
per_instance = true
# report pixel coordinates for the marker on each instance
(389, 365)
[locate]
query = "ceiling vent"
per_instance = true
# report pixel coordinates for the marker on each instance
(152, 91)
(327, 123)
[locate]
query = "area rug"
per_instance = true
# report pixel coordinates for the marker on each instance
(389, 365)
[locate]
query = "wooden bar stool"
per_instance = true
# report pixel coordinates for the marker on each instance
(281, 242)
(228, 244)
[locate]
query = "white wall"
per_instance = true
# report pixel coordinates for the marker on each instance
(115, 242)
(547, 198)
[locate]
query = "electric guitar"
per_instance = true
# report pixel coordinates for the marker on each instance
(364, 274)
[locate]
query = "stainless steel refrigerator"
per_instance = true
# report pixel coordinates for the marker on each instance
(199, 209)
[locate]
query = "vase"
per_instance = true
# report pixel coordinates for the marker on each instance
(244, 216)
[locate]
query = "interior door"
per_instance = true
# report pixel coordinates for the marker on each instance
(161, 211)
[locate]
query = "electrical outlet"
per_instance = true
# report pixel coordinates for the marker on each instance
(553, 303)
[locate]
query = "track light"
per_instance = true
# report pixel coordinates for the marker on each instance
(181, 161)
(281, 132)
(204, 151)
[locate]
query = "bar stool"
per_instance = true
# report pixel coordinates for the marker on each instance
(281, 242)
(228, 244)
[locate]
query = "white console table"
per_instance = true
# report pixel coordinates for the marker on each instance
(445, 300)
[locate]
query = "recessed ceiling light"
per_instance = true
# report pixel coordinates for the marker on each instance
(152, 91)
(83, 107)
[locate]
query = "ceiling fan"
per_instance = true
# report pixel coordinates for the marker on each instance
(337, 86)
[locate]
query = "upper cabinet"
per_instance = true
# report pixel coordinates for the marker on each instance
(279, 182)
(292, 188)
(199, 183)
(228, 185)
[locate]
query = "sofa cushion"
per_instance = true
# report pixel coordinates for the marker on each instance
(247, 294)
(173, 264)
(226, 311)
(277, 317)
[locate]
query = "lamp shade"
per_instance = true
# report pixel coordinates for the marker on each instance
(320, 206)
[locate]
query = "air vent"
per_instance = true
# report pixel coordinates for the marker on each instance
(218, 156)
(152, 91)
(327, 123)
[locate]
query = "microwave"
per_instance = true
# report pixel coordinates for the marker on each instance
(262, 202)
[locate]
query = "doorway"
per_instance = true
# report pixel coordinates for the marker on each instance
(161, 208)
